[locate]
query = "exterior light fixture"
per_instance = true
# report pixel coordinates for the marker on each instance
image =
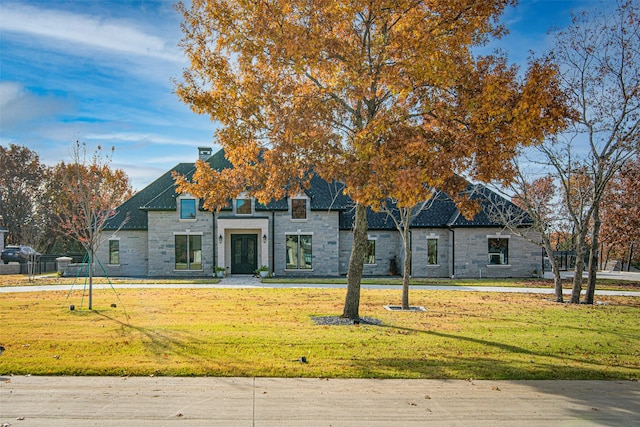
(264, 238)
(220, 239)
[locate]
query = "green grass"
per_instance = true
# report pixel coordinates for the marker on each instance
(261, 332)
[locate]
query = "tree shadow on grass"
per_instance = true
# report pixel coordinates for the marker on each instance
(575, 372)
(163, 344)
(609, 402)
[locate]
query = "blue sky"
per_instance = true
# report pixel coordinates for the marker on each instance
(100, 72)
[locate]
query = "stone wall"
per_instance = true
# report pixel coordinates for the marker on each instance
(471, 255)
(163, 226)
(11, 268)
(388, 245)
(133, 254)
(420, 267)
(323, 226)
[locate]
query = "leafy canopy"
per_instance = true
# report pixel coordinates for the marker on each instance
(384, 96)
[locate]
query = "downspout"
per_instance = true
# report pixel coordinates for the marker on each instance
(453, 252)
(411, 248)
(273, 245)
(215, 259)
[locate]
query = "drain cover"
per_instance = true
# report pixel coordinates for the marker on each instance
(399, 308)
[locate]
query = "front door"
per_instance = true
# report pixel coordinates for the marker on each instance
(244, 253)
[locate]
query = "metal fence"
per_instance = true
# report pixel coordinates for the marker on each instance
(48, 264)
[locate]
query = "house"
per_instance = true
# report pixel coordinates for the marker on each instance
(169, 235)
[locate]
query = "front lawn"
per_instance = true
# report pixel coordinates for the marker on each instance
(265, 332)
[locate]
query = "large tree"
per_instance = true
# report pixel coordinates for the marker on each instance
(21, 179)
(599, 55)
(91, 191)
(360, 92)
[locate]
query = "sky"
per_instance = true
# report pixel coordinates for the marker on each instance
(101, 72)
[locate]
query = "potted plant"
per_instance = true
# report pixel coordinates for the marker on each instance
(220, 271)
(263, 271)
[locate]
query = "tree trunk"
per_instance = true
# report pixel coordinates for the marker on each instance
(606, 259)
(630, 257)
(578, 270)
(356, 264)
(555, 269)
(90, 267)
(593, 255)
(407, 268)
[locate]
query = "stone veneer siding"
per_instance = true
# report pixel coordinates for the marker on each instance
(133, 254)
(471, 256)
(163, 226)
(323, 225)
(419, 266)
(152, 253)
(388, 245)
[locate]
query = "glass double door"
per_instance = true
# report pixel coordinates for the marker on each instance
(244, 253)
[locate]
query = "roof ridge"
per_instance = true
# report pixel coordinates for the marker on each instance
(172, 185)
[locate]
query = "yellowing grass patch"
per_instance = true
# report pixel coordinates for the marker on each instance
(265, 332)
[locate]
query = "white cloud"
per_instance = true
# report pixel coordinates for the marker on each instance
(114, 35)
(19, 107)
(145, 138)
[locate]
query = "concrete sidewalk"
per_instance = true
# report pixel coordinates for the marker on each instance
(168, 401)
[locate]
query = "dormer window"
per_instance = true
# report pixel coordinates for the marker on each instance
(187, 208)
(298, 208)
(243, 206)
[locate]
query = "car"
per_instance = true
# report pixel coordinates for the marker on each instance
(18, 253)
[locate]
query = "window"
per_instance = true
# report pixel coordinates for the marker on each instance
(432, 251)
(298, 252)
(498, 251)
(298, 208)
(243, 206)
(188, 209)
(370, 256)
(188, 251)
(114, 252)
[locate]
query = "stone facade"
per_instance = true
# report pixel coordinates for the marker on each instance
(419, 257)
(471, 254)
(133, 254)
(323, 226)
(152, 253)
(163, 227)
(314, 239)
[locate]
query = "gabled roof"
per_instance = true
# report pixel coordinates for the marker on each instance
(161, 195)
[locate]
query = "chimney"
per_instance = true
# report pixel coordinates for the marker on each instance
(204, 153)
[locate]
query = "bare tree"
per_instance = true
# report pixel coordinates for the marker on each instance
(402, 217)
(599, 55)
(92, 192)
(531, 214)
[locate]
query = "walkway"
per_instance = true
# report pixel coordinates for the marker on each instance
(253, 402)
(240, 281)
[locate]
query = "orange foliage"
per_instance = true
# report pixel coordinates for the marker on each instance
(384, 96)
(89, 196)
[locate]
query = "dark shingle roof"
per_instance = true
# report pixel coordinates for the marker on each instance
(441, 212)
(161, 195)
